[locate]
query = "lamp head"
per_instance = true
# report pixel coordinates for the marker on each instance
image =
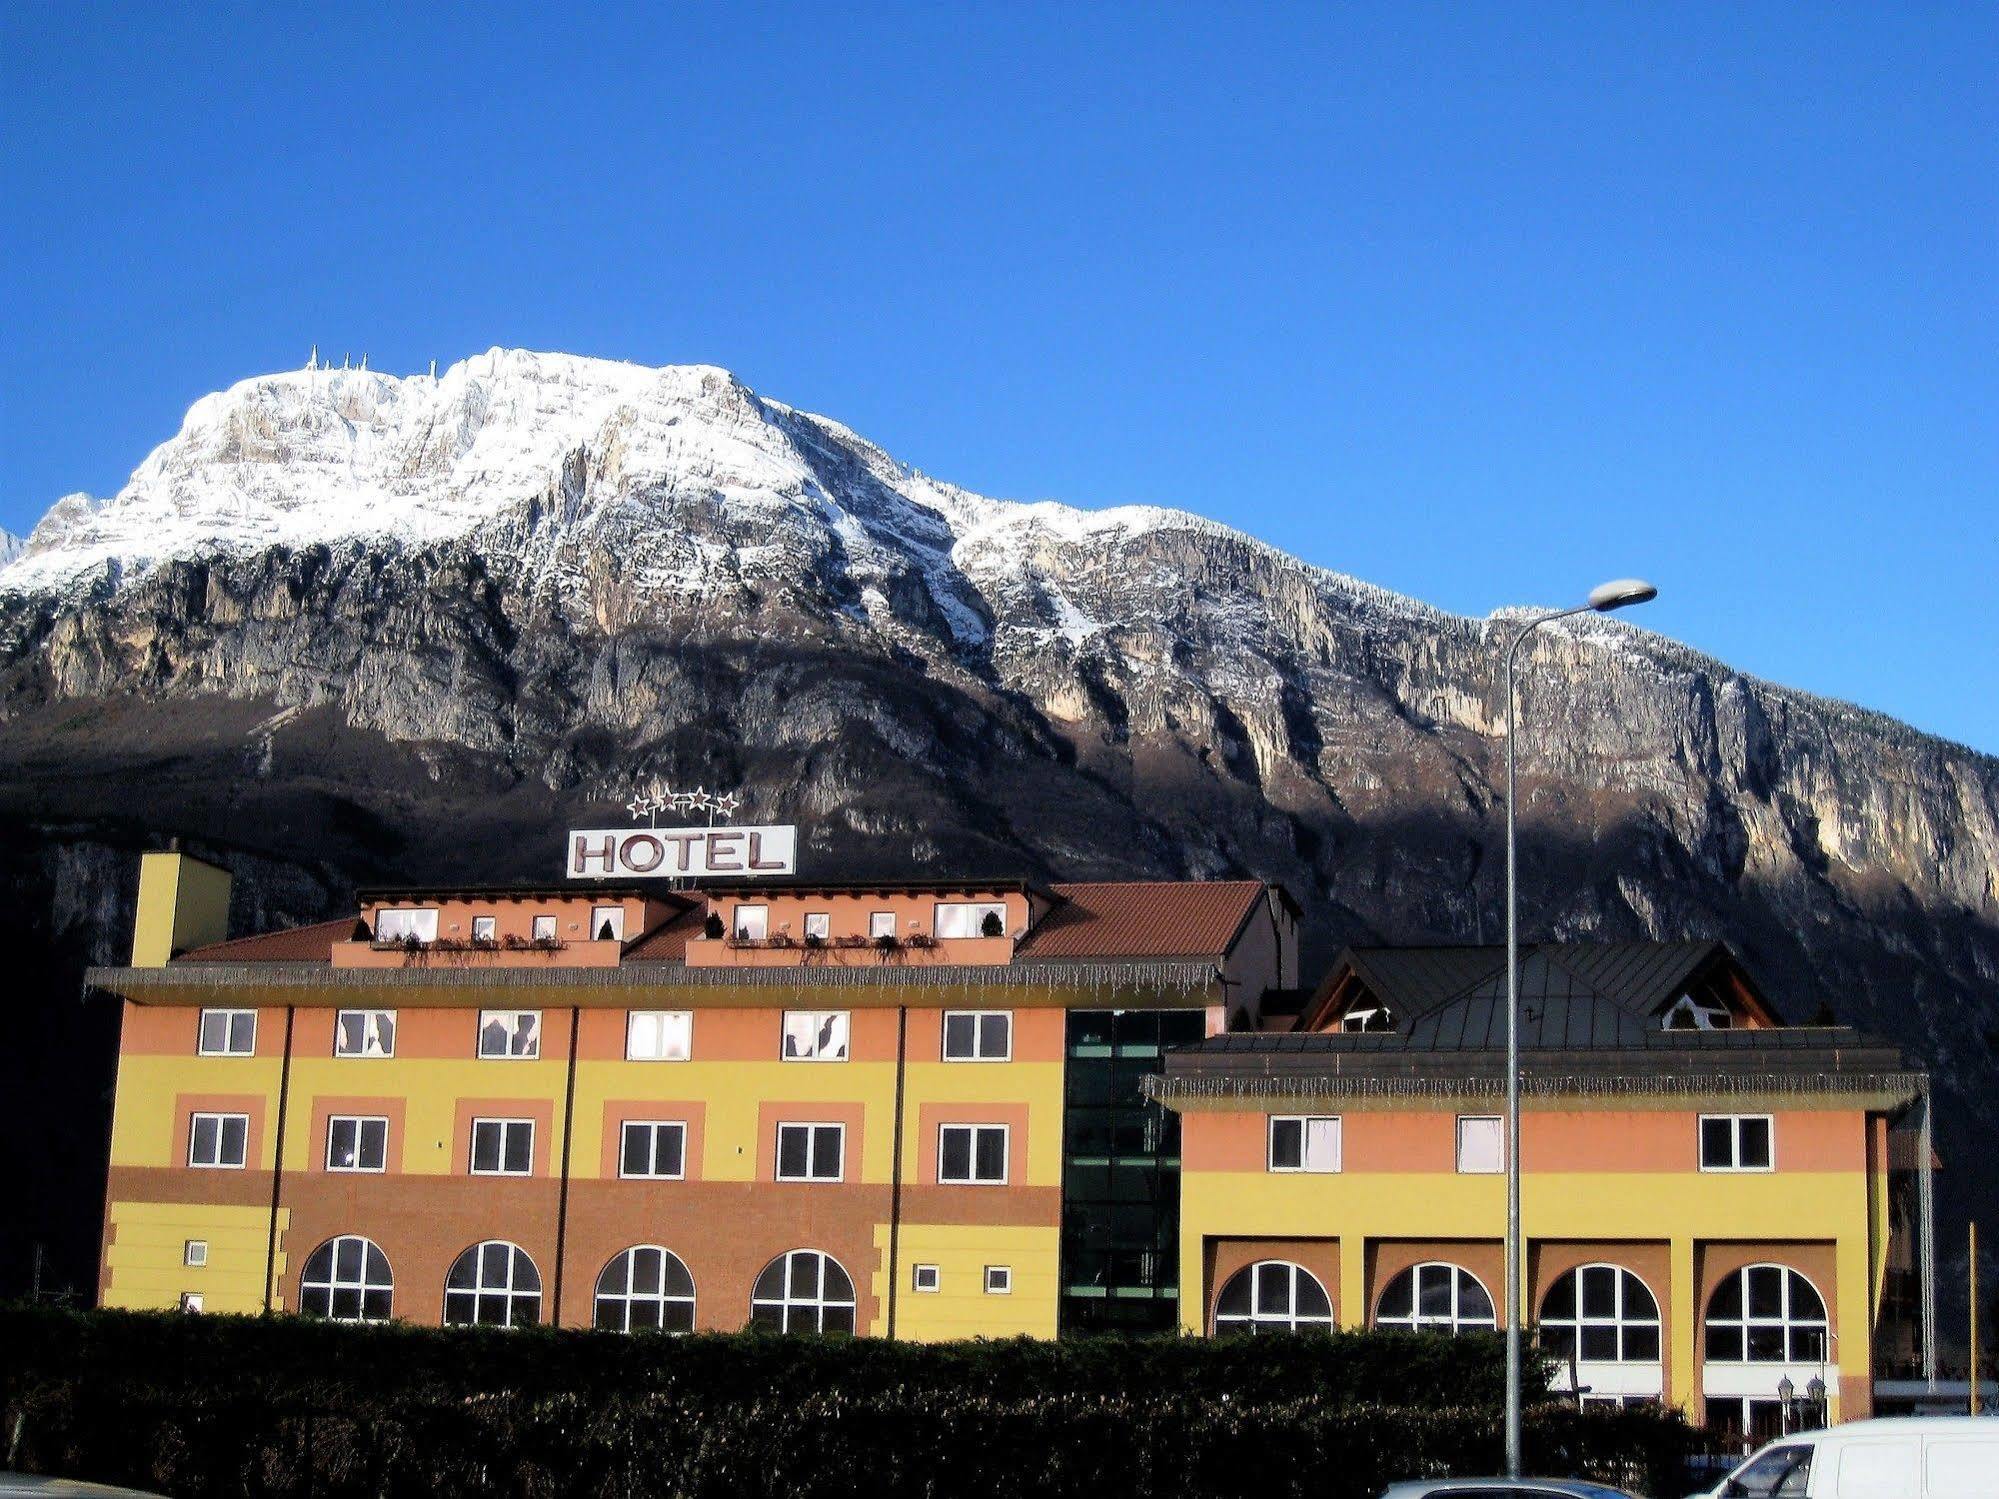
(1619, 593)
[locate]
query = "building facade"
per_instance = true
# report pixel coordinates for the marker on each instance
(1706, 1199)
(910, 1110)
(962, 1109)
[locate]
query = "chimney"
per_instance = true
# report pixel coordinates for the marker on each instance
(183, 903)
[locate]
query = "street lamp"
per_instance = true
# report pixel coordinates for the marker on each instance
(1605, 597)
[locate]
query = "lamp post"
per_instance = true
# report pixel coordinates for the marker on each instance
(1602, 599)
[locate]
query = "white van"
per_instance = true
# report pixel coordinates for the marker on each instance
(1902, 1457)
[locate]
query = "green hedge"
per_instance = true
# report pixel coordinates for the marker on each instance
(279, 1407)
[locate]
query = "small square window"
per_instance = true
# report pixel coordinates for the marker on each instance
(364, 1033)
(814, 1036)
(1305, 1143)
(972, 1154)
(1737, 1142)
(999, 1280)
(544, 929)
(924, 1278)
(819, 924)
(607, 923)
(1481, 1144)
(659, 1036)
(190, 1301)
(194, 1253)
(357, 1144)
(510, 1034)
(653, 1150)
(485, 929)
(810, 1152)
(228, 1033)
(752, 923)
(881, 923)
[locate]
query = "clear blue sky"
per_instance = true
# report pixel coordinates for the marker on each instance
(1482, 303)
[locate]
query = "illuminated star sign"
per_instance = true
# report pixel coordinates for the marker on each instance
(662, 798)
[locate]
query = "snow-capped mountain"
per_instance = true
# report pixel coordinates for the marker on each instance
(347, 625)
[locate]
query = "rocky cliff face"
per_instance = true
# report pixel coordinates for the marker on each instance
(351, 627)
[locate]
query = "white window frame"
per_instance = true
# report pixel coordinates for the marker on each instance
(978, 1052)
(748, 914)
(615, 915)
(228, 1048)
(485, 929)
(360, 1123)
(652, 1127)
(406, 922)
(1498, 1121)
(544, 928)
(660, 1023)
(1735, 1123)
(1306, 1132)
(222, 1120)
(506, 1127)
(331, 1285)
(944, 1131)
(880, 924)
(819, 924)
(487, 1017)
(927, 1279)
(812, 1127)
(371, 1031)
(511, 1291)
(190, 1301)
(975, 912)
(789, 1027)
(999, 1280)
(194, 1253)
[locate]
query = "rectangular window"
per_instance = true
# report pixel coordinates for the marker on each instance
(978, 1035)
(190, 1301)
(968, 918)
(810, 1152)
(194, 1253)
(752, 923)
(357, 1144)
(659, 1036)
(1305, 1143)
(652, 1149)
(815, 1036)
(972, 1154)
(543, 929)
(228, 1033)
(1737, 1142)
(881, 923)
(219, 1141)
(406, 926)
(999, 1280)
(819, 924)
(607, 923)
(502, 1147)
(510, 1034)
(485, 929)
(364, 1033)
(924, 1278)
(1481, 1144)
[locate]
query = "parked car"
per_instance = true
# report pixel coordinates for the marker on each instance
(1501, 1488)
(1900, 1457)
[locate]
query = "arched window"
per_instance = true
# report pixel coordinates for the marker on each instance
(1766, 1314)
(803, 1291)
(1600, 1313)
(348, 1280)
(1272, 1296)
(646, 1287)
(493, 1284)
(1435, 1297)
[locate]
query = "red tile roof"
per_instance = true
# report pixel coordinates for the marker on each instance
(666, 942)
(1142, 919)
(299, 944)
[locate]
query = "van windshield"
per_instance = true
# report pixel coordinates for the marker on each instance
(1780, 1473)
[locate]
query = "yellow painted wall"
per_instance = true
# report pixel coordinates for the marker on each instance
(183, 903)
(148, 1246)
(960, 1307)
(1679, 1209)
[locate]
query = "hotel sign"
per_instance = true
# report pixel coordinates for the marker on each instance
(680, 853)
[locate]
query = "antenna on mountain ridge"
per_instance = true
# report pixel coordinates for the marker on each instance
(433, 369)
(313, 362)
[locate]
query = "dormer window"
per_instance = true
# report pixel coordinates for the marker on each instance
(1690, 1014)
(1375, 1018)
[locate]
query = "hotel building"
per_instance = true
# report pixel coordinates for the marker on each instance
(936, 1110)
